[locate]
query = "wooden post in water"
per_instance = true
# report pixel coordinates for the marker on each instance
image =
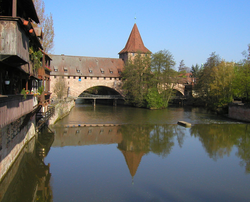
(94, 103)
(115, 102)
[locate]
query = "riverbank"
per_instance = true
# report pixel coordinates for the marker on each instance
(62, 109)
(14, 137)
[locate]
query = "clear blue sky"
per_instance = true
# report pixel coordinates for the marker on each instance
(190, 29)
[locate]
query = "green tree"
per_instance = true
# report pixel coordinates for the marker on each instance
(47, 25)
(195, 70)
(221, 87)
(183, 68)
(242, 77)
(165, 77)
(242, 81)
(136, 79)
(205, 78)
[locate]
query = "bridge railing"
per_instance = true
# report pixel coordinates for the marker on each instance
(100, 96)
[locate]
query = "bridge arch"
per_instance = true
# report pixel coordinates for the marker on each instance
(180, 88)
(76, 86)
(100, 90)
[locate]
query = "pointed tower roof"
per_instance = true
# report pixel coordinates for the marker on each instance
(134, 43)
(133, 160)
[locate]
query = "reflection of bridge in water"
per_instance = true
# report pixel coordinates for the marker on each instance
(96, 134)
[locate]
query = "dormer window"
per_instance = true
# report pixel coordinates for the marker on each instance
(78, 70)
(65, 69)
(102, 70)
(55, 69)
(111, 71)
(119, 71)
(90, 70)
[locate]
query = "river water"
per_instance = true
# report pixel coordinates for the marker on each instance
(143, 155)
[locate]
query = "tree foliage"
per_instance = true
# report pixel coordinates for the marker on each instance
(136, 77)
(218, 82)
(47, 25)
(149, 82)
(165, 77)
(60, 88)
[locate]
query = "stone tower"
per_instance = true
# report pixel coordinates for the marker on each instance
(133, 45)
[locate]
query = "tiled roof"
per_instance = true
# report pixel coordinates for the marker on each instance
(85, 66)
(134, 43)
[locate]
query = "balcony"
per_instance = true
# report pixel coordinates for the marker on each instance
(14, 42)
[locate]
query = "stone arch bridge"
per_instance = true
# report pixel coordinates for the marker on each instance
(83, 73)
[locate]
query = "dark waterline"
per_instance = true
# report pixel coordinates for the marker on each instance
(146, 156)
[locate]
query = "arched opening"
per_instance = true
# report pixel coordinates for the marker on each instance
(100, 95)
(100, 90)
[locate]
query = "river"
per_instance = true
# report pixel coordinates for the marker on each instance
(143, 155)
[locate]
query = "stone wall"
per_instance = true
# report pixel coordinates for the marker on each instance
(13, 138)
(62, 109)
(77, 85)
(239, 112)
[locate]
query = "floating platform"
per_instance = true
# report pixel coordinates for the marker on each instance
(184, 123)
(89, 125)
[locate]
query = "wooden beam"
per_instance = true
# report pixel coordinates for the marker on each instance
(14, 8)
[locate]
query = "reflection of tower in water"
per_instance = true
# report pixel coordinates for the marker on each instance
(133, 147)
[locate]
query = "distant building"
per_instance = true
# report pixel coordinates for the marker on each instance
(81, 73)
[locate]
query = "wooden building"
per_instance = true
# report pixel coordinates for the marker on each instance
(24, 68)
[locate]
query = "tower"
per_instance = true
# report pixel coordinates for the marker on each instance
(133, 45)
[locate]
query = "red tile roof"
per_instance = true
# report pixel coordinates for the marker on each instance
(85, 66)
(134, 43)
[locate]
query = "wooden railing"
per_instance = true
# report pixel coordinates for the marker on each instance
(12, 107)
(43, 117)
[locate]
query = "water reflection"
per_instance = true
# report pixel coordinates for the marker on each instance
(134, 141)
(218, 140)
(29, 177)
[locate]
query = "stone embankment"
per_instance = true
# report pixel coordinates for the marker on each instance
(239, 111)
(62, 109)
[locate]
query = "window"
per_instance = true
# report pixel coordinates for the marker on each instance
(55, 69)
(65, 69)
(78, 70)
(111, 71)
(97, 78)
(90, 70)
(102, 70)
(104, 78)
(74, 77)
(68, 77)
(85, 77)
(133, 54)
(55, 77)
